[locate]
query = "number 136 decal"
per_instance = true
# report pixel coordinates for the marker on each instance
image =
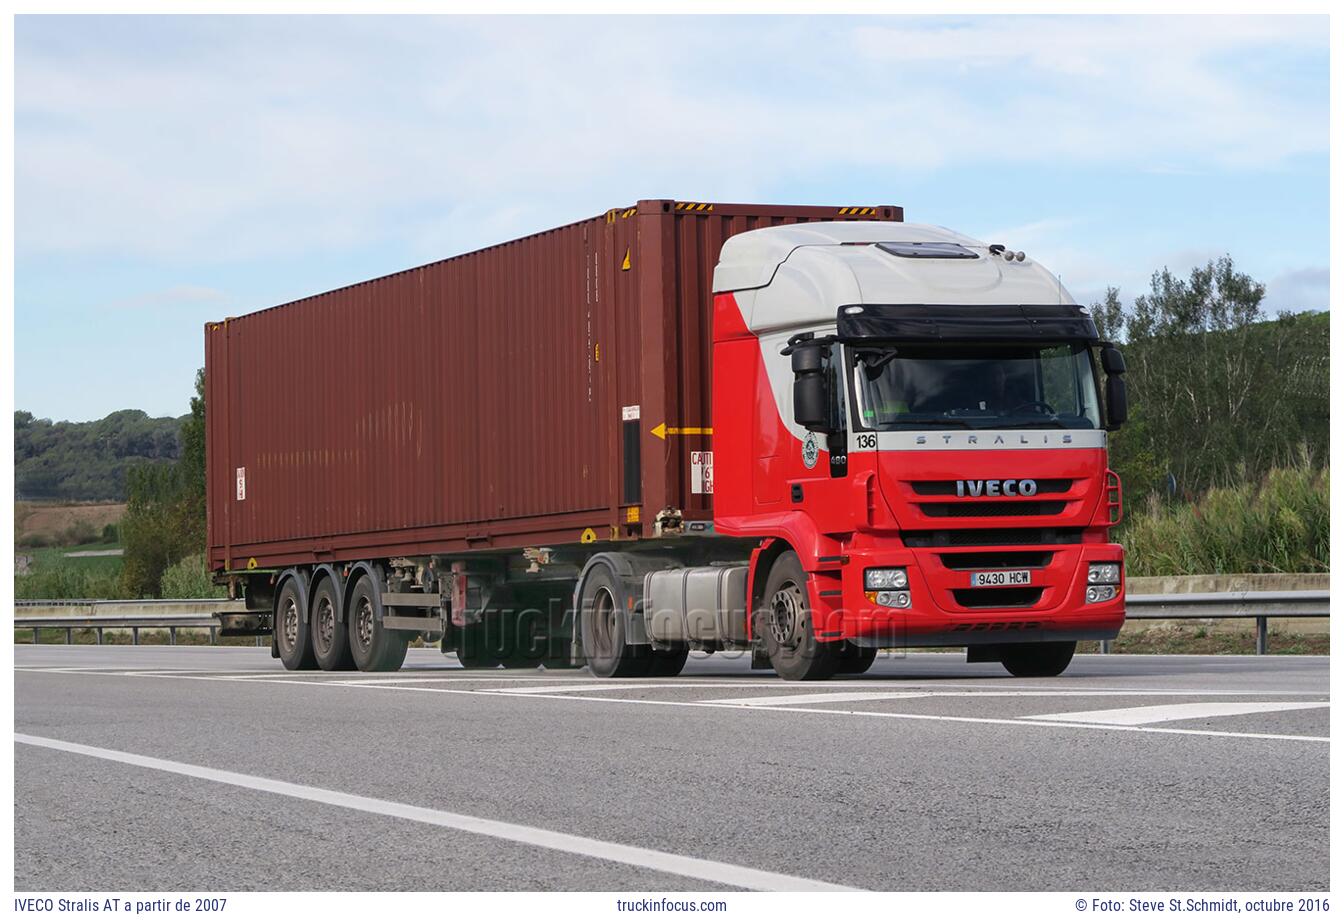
(867, 442)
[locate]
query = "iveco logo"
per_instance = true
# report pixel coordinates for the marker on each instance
(978, 487)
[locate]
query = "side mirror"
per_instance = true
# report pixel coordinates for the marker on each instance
(1117, 402)
(1112, 362)
(1117, 399)
(811, 386)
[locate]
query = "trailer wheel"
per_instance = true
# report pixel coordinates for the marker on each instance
(855, 659)
(372, 647)
(785, 623)
(291, 629)
(1038, 659)
(331, 640)
(602, 626)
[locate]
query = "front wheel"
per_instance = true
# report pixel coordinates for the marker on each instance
(785, 623)
(1038, 659)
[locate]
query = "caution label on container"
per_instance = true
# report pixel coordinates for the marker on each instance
(702, 472)
(241, 476)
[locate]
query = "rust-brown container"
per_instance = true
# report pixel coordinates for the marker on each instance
(503, 398)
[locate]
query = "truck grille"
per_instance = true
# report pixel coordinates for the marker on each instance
(1003, 559)
(991, 509)
(997, 597)
(949, 486)
(1002, 536)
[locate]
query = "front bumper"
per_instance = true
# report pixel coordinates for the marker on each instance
(945, 611)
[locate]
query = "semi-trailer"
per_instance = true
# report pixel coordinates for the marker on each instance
(798, 433)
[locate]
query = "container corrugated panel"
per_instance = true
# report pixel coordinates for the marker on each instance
(479, 402)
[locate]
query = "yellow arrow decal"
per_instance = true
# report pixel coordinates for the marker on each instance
(662, 431)
(625, 263)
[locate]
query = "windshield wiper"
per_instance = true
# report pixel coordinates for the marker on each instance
(932, 420)
(1042, 422)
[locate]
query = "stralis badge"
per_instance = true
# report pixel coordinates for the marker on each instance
(810, 450)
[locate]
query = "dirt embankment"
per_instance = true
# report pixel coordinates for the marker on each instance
(50, 522)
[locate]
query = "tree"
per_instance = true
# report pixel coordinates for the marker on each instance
(1215, 386)
(165, 510)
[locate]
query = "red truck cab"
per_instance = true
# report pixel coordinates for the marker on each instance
(912, 422)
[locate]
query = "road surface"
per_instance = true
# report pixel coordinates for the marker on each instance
(203, 769)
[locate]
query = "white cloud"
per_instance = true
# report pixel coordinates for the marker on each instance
(273, 135)
(1297, 290)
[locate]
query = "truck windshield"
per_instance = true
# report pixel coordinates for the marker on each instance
(902, 387)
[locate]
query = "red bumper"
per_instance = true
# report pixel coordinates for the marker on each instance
(946, 610)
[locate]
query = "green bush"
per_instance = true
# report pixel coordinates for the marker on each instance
(189, 578)
(1279, 524)
(111, 534)
(68, 582)
(80, 533)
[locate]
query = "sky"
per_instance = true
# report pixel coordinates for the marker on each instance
(176, 170)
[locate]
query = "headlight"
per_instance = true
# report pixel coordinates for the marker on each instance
(879, 579)
(1099, 593)
(1103, 573)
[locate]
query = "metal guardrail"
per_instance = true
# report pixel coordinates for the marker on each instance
(202, 614)
(1259, 605)
(170, 614)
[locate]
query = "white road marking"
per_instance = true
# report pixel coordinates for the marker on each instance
(686, 866)
(1018, 721)
(1146, 715)
(794, 699)
(618, 686)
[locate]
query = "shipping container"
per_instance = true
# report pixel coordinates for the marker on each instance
(550, 390)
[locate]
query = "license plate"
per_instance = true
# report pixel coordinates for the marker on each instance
(1000, 579)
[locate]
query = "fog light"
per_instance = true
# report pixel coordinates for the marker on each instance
(1100, 593)
(878, 579)
(900, 599)
(1103, 573)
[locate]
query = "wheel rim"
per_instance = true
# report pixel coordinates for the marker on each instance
(326, 624)
(786, 615)
(364, 623)
(290, 622)
(604, 622)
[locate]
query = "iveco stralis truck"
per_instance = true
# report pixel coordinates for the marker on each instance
(583, 448)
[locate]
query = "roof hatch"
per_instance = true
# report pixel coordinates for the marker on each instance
(938, 250)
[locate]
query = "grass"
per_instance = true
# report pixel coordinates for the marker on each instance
(53, 575)
(1279, 524)
(1193, 639)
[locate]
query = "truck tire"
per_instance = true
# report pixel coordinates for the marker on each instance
(785, 623)
(1038, 659)
(291, 629)
(372, 647)
(854, 659)
(331, 640)
(602, 630)
(668, 662)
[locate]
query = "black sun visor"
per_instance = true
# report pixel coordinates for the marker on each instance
(976, 322)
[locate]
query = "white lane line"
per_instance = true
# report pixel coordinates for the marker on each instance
(706, 870)
(794, 699)
(1146, 715)
(924, 717)
(806, 698)
(617, 686)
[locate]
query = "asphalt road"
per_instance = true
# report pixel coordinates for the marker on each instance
(189, 768)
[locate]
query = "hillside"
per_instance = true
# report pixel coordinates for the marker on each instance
(87, 461)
